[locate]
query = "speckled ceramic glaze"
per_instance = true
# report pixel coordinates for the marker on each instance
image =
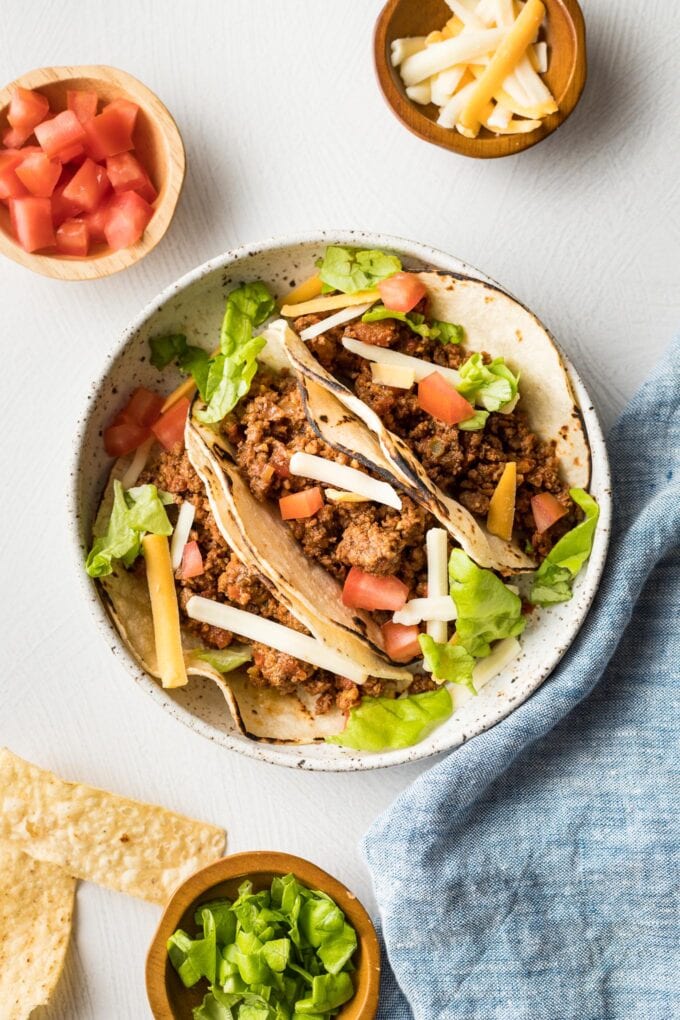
(195, 305)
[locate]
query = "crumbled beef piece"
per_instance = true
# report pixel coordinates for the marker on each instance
(384, 333)
(275, 669)
(422, 682)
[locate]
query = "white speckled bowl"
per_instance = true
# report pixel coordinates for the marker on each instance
(195, 305)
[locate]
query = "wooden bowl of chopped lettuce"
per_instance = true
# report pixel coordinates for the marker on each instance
(263, 935)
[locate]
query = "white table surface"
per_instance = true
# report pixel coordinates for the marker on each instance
(285, 130)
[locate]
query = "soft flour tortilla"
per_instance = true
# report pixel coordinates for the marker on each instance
(139, 849)
(493, 322)
(36, 913)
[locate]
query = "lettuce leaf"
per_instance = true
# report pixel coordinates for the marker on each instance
(350, 270)
(445, 332)
(447, 663)
(227, 377)
(224, 660)
(493, 385)
(137, 512)
(191, 360)
(379, 724)
(475, 422)
(553, 579)
(487, 609)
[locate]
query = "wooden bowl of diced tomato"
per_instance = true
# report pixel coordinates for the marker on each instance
(91, 168)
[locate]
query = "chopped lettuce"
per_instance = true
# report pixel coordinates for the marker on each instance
(227, 377)
(487, 609)
(493, 385)
(474, 422)
(349, 270)
(553, 579)
(447, 663)
(274, 954)
(135, 513)
(379, 724)
(224, 660)
(445, 332)
(191, 360)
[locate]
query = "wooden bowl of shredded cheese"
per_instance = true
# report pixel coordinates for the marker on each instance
(484, 78)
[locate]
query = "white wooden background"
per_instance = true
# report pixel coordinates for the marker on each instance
(285, 130)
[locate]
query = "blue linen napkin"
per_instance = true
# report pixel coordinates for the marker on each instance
(533, 874)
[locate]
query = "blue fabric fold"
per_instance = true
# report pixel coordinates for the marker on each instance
(533, 874)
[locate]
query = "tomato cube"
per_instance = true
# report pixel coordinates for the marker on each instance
(62, 208)
(14, 138)
(125, 172)
(83, 103)
(39, 174)
(96, 221)
(122, 439)
(441, 399)
(108, 133)
(147, 190)
(301, 504)
(88, 186)
(27, 109)
(169, 429)
(143, 408)
(546, 510)
(192, 561)
(126, 109)
(401, 642)
(373, 591)
(62, 132)
(73, 237)
(402, 292)
(10, 185)
(32, 221)
(127, 220)
(72, 153)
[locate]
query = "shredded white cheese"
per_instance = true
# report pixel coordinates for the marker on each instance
(180, 535)
(344, 315)
(385, 356)
(397, 376)
(437, 545)
(439, 609)
(306, 465)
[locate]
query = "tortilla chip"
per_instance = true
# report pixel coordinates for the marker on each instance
(135, 848)
(36, 911)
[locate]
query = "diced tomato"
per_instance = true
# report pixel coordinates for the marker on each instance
(169, 429)
(83, 103)
(401, 643)
(192, 561)
(73, 237)
(88, 186)
(402, 292)
(14, 138)
(373, 591)
(39, 174)
(126, 109)
(62, 132)
(10, 185)
(62, 208)
(96, 221)
(144, 407)
(72, 153)
(147, 190)
(122, 439)
(442, 400)
(108, 133)
(125, 172)
(32, 222)
(546, 510)
(27, 109)
(127, 219)
(301, 504)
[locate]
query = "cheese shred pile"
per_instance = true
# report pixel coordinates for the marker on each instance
(483, 69)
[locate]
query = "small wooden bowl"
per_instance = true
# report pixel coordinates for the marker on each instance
(157, 142)
(170, 1000)
(566, 75)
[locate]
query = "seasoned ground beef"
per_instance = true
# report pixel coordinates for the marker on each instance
(266, 428)
(226, 579)
(466, 465)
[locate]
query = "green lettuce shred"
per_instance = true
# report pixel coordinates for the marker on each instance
(493, 385)
(379, 724)
(474, 422)
(275, 954)
(224, 660)
(135, 513)
(554, 578)
(350, 270)
(445, 332)
(487, 609)
(447, 663)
